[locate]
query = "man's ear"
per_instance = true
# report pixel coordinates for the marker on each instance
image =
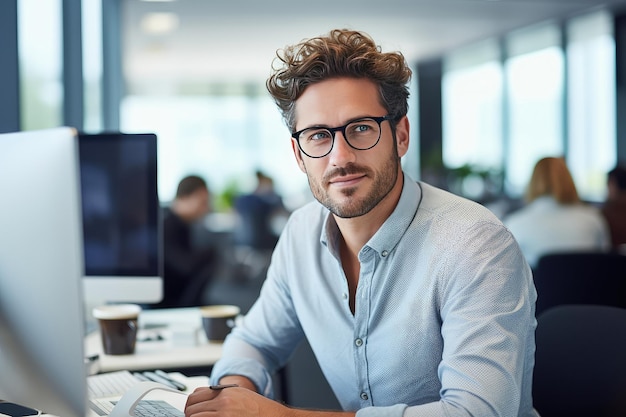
(298, 155)
(402, 136)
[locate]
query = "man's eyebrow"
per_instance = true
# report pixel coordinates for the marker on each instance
(322, 125)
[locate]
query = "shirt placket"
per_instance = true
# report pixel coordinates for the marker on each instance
(361, 320)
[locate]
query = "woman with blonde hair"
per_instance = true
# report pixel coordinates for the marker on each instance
(554, 218)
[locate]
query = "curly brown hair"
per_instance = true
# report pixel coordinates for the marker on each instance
(341, 53)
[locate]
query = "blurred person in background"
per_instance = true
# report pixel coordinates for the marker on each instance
(256, 212)
(256, 230)
(187, 269)
(614, 208)
(554, 218)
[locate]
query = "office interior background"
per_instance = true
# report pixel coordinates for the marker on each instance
(497, 84)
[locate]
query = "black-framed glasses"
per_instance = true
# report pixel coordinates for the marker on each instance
(361, 134)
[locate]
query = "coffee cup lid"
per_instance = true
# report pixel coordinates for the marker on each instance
(219, 311)
(117, 311)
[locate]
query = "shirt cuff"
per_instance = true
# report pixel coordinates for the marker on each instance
(249, 368)
(391, 411)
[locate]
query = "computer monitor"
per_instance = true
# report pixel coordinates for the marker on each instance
(41, 269)
(121, 218)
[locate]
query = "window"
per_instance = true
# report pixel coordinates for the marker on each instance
(591, 105)
(472, 103)
(221, 137)
(535, 85)
(41, 67)
(472, 115)
(92, 64)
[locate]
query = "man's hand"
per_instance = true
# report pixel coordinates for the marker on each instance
(231, 402)
(243, 401)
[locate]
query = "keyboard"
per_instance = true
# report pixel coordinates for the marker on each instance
(144, 408)
(110, 384)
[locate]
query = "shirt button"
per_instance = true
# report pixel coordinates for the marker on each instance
(364, 396)
(345, 296)
(358, 342)
(384, 253)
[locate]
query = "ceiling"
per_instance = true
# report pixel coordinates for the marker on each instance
(236, 40)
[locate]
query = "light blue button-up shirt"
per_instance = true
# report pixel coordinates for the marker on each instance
(444, 312)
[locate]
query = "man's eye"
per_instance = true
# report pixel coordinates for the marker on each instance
(318, 135)
(361, 127)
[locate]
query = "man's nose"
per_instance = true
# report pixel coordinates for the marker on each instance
(341, 152)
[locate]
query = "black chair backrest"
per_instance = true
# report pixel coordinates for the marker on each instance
(580, 362)
(580, 278)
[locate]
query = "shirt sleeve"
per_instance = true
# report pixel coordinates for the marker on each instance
(488, 322)
(267, 336)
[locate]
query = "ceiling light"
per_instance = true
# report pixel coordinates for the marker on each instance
(159, 23)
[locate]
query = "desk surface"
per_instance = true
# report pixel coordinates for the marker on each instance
(174, 399)
(184, 343)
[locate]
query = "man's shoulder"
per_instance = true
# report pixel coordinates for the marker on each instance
(446, 204)
(305, 224)
(170, 217)
(432, 193)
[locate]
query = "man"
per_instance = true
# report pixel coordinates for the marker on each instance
(255, 233)
(415, 302)
(614, 209)
(255, 211)
(186, 268)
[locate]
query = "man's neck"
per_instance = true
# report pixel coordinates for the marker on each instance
(178, 209)
(357, 231)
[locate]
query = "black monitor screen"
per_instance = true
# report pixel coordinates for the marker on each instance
(120, 204)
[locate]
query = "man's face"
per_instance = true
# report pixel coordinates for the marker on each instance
(199, 203)
(349, 182)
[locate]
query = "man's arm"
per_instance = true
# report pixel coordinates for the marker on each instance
(244, 401)
(487, 312)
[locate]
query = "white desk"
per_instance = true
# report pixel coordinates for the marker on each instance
(174, 399)
(184, 344)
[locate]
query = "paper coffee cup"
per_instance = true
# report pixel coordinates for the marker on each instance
(218, 320)
(118, 327)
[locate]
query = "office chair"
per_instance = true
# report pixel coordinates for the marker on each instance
(580, 278)
(580, 362)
